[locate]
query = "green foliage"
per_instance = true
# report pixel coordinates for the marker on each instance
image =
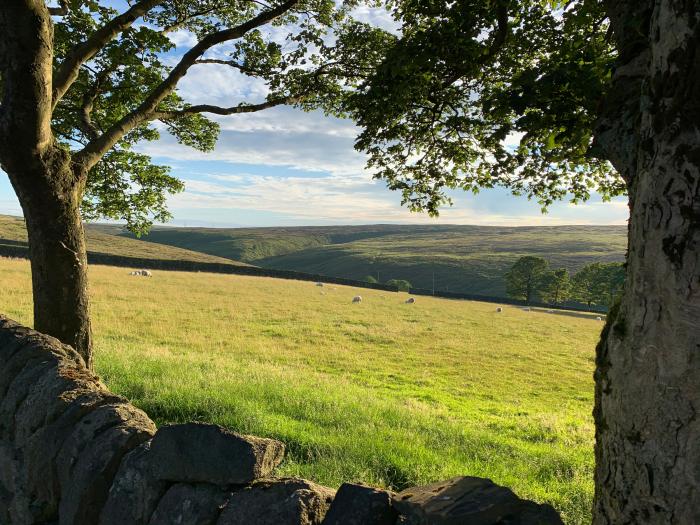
(401, 284)
(311, 56)
(370, 279)
(467, 77)
(525, 280)
(125, 185)
(599, 283)
(556, 286)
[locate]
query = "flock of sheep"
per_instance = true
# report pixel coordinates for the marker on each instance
(356, 299)
(411, 300)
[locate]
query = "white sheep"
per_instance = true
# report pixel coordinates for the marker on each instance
(144, 273)
(550, 311)
(598, 318)
(499, 309)
(410, 300)
(357, 299)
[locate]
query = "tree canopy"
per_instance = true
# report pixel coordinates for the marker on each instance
(480, 94)
(524, 280)
(556, 286)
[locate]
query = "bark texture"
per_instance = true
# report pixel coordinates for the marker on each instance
(648, 363)
(49, 186)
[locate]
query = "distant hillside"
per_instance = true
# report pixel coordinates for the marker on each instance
(469, 259)
(99, 240)
(253, 244)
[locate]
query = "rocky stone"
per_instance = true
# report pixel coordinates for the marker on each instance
(135, 493)
(186, 504)
(18, 390)
(42, 448)
(52, 392)
(90, 457)
(208, 453)
(462, 500)
(279, 502)
(361, 505)
(537, 514)
(27, 353)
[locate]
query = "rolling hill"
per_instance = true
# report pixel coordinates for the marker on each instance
(468, 259)
(13, 233)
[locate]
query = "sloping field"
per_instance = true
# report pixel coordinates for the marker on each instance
(468, 259)
(382, 392)
(13, 233)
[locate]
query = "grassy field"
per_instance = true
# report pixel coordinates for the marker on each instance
(13, 232)
(381, 392)
(469, 259)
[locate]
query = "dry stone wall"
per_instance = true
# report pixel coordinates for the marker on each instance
(73, 453)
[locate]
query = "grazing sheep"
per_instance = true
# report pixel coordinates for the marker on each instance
(357, 299)
(410, 300)
(144, 273)
(319, 284)
(598, 318)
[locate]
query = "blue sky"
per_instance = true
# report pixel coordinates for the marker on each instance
(286, 167)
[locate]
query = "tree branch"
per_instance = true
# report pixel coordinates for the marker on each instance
(91, 154)
(68, 71)
(218, 110)
(231, 63)
(61, 10)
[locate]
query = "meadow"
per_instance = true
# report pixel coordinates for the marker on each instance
(381, 392)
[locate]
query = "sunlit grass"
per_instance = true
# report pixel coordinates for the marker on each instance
(383, 392)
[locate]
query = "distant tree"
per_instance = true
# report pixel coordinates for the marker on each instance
(610, 283)
(524, 280)
(401, 284)
(598, 283)
(370, 279)
(583, 284)
(556, 286)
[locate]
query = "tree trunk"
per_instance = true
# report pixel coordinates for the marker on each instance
(51, 206)
(648, 363)
(48, 184)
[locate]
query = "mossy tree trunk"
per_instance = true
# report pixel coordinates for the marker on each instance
(648, 363)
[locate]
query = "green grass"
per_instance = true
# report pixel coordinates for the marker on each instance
(381, 392)
(13, 232)
(470, 259)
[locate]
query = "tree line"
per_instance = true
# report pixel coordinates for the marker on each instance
(531, 279)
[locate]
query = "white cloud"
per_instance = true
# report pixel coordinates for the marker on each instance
(303, 151)
(182, 39)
